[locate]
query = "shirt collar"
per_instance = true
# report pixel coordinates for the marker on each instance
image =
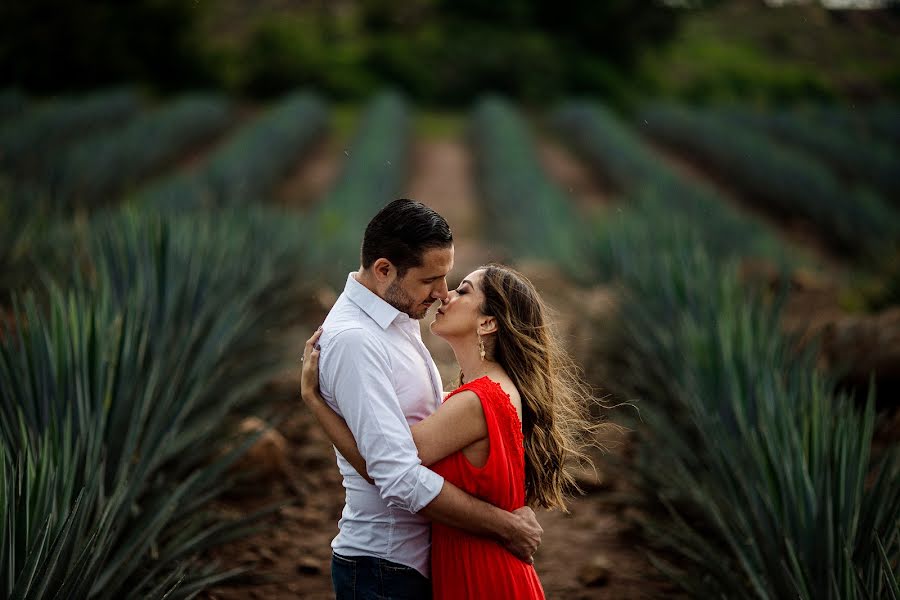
(380, 311)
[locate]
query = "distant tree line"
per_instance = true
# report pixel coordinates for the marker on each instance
(436, 50)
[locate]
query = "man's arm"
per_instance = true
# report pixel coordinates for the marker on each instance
(358, 371)
(518, 531)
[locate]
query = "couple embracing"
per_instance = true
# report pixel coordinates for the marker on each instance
(439, 486)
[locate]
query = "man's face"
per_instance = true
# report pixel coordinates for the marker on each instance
(421, 286)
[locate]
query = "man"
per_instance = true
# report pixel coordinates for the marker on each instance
(377, 374)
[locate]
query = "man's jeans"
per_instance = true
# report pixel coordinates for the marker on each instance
(370, 578)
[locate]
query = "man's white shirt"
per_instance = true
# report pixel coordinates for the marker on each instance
(377, 374)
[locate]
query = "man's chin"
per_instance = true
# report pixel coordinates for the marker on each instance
(419, 314)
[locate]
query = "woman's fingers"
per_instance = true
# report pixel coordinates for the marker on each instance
(311, 343)
(314, 337)
(309, 376)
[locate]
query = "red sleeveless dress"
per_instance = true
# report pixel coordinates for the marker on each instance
(466, 566)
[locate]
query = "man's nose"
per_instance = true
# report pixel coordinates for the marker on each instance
(441, 292)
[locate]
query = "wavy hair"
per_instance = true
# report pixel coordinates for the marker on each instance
(556, 419)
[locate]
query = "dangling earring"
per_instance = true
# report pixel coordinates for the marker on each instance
(481, 347)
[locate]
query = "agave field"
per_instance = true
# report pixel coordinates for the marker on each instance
(152, 287)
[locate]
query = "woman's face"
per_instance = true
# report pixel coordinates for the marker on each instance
(459, 314)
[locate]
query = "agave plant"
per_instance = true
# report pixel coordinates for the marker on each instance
(789, 182)
(114, 404)
(759, 466)
(29, 143)
(95, 170)
(657, 191)
(373, 175)
(532, 215)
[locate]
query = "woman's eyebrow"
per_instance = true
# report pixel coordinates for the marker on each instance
(464, 282)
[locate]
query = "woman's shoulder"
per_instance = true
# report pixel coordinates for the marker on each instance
(485, 389)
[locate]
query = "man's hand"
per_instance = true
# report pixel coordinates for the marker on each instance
(525, 536)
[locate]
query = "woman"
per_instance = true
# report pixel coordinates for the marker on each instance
(505, 435)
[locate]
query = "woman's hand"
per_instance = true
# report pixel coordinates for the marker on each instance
(309, 374)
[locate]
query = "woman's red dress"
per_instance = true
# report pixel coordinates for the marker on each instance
(466, 566)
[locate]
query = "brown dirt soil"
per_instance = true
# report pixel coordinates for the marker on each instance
(588, 553)
(856, 346)
(574, 177)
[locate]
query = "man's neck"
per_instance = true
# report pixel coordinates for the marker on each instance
(365, 279)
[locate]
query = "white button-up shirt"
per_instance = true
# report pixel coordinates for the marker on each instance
(377, 374)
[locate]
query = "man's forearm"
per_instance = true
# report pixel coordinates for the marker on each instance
(518, 531)
(458, 509)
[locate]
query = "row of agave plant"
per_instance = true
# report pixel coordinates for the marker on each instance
(374, 173)
(122, 378)
(609, 146)
(118, 384)
(249, 164)
(530, 215)
(12, 103)
(786, 180)
(33, 136)
(871, 162)
(754, 475)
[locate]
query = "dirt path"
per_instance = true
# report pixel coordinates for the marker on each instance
(585, 554)
(442, 178)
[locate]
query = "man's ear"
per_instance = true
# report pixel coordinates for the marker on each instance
(487, 326)
(383, 269)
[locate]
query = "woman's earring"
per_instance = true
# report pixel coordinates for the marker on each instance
(481, 347)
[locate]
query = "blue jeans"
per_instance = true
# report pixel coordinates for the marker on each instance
(370, 578)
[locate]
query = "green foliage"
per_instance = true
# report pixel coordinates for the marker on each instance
(28, 144)
(94, 171)
(373, 175)
(864, 161)
(753, 469)
(739, 437)
(529, 214)
(12, 103)
(245, 169)
(284, 54)
(708, 71)
(114, 404)
(447, 53)
(22, 225)
(879, 124)
(54, 45)
(788, 182)
(614, 149)
(614, 30)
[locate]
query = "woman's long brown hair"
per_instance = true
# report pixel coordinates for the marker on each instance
(556, 403)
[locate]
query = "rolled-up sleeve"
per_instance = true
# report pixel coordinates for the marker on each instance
(356, 368)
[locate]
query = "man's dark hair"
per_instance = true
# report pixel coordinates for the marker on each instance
(402, 232)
